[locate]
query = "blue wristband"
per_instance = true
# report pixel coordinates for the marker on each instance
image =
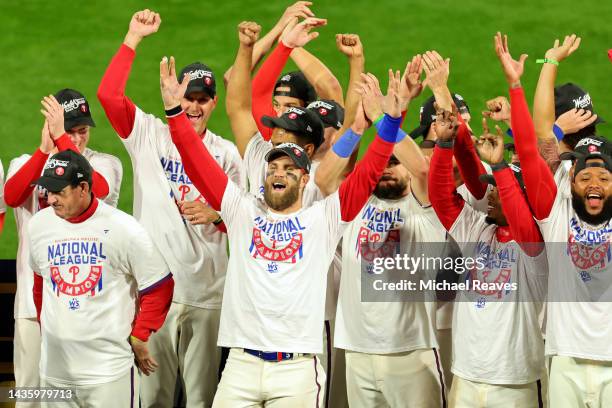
(345, 145)
(400, 135)
(509, 133)
(387, 128)
(558, 132)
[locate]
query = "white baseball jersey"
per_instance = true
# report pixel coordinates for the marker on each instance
(277, 275)
(2, 203)
(480, 205)
(255, 166)
(92, 272)
(385, 327)
(107, 165)
(197, 254)
(496, 337)
(574, 327)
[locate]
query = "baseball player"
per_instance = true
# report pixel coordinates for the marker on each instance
(179, 220)
(575, 219)
(273, 307)
(485, 374)
(2, 203)
(99, 281)
(69, 129)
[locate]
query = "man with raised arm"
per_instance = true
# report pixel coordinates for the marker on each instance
(67, 126)
(574, 218)
(178, 218)
(273, 308)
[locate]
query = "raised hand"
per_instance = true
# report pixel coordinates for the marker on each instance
(436, 70)
(300, 9)
(392, 105)
(172, 91)
(46, 142)
(248, 33)
(300, 34)
(498, 110)
(575, 119)
(411, 85)
(142, 24)
(561, 52)
(361, 122)
(349, 44)
(371, 96)
(513, 69)
(446, 123)
(490, 146)
(145, 362)
(54, 116)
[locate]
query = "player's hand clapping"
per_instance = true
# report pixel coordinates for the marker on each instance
(411, 85)
(54, 115)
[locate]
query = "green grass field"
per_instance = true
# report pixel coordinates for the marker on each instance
(49, 45)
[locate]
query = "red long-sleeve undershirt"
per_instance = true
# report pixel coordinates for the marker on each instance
(211, 181)
(19, 187)
(539, 182)
(445, 200)
(468, 162)
(263, 86)
(37, 292)
(155, 302)
(120, 110)
(523, 229)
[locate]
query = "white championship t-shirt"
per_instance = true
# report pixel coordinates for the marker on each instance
(92, 272)
(107, 165)
(580, 258)
(385, 327)
(496, 337)
(196, 254)
(255, 166)
(275, 288)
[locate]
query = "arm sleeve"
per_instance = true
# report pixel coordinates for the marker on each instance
(19, 187)
(539, 181)
(155, 302)
(263, 86)
(37, 290)
(470, 165)
(514, 204)
(360, 183)
(119, 109)
(442, 194)
(100, 186)
(207, 176)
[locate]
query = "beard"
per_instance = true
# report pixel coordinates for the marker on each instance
(390, 191)
(593, 219)
(280, 202)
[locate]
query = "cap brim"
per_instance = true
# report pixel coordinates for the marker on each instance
(83, 120)
(51, 184)
(487, 179)
(200, 88)
(277, 122)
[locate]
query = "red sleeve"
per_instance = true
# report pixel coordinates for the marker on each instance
(221, 227)
(207, 176)
(539, 182)
(442, 193)
(154, 305)
(119, 109)
(99, 185)
(263, 86)
(523, 227)
(37, 292)
(360, 183)
(470, 165)
(19, 187)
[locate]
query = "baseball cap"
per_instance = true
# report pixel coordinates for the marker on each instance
(295, 152)
(298, 85)
(65, 168)
(516, 169)
(76, 108)
(330, 112)
(428, 114)
(298, 120)
(592, 147)
(202, 79)
(570, 96)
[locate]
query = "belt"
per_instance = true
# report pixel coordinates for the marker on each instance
(274, 356)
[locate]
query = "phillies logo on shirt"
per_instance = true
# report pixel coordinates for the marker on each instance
(277, 240)
(380, 226)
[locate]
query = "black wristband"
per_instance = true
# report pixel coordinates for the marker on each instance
(218, 221)
(173, 111)
(499, 166)
(445, 144)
